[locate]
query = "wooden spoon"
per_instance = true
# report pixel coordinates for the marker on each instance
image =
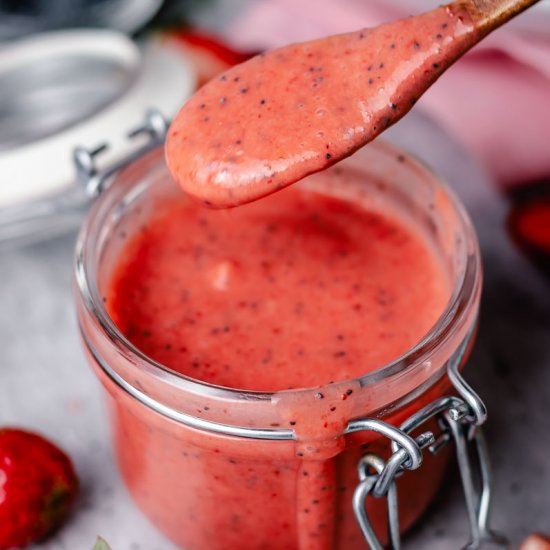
(282, 115)
(488, 15)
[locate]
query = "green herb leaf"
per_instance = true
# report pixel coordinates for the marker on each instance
(101, 545)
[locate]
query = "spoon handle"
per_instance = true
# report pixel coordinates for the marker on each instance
(490, 14)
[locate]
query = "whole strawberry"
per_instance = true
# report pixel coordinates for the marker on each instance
(38, 486)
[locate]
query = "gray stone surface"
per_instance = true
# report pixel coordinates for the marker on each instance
(45, 384)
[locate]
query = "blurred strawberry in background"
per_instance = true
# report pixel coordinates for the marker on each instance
(209, 54)
(529, 221)
(536, 542)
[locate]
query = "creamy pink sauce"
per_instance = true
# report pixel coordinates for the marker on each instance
(293, 111)
(297, 290)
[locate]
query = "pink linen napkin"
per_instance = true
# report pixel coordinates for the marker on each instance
(496, 99)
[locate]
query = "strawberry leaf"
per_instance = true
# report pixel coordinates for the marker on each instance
(101, 545)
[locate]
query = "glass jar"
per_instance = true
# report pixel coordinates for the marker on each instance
(216, 468)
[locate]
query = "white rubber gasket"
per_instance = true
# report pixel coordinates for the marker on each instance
(164, 79)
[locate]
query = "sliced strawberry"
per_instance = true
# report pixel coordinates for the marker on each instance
(535, 542)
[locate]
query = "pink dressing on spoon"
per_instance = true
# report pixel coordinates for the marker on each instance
(295, 110)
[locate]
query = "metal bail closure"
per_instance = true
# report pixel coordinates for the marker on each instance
(94, 180)
(359, 500)
(477, 498)
(367, 482)
(460, 419)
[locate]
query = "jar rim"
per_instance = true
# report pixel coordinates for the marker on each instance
(464, 290)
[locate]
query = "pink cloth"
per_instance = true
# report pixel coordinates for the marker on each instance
(496, 99)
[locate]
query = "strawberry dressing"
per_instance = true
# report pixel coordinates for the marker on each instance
(282, 115)
(303, 289)
(299, 290)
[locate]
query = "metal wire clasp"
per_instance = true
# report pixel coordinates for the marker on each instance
(459, 418)
(94, 180)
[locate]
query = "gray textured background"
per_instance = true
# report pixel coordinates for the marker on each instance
(45, 384)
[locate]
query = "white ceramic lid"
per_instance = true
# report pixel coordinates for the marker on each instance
(83, 87)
